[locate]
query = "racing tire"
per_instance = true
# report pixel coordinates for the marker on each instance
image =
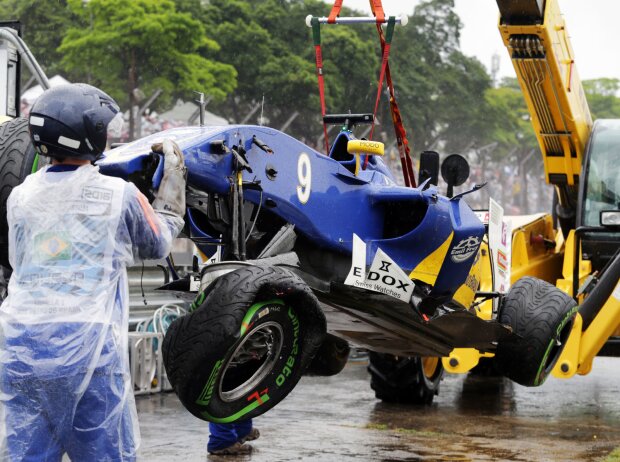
(246, 345)
(410, 380)
(542, 316)
(17, 157)
(331, 357)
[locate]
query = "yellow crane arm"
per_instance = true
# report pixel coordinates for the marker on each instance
(535, 35)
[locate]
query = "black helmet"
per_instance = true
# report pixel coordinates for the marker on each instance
(72, 121)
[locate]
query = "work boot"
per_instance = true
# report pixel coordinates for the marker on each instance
(253, 435)
(236, 449)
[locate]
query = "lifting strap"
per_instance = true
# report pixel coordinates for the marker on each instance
(386, 42)
(316, 37)
(375, 6)
(402, 142)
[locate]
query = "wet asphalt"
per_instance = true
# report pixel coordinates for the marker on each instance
(473, 419)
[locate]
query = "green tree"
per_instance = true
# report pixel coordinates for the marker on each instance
(143, 45)
(44, 23)
(439, 89)
(602, 99)
(508, 118)
(271, 47)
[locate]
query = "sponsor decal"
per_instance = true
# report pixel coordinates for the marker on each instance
(465, 249)
(264, 312)
(290, 361)
(53, 246)
(55, 278)
(502, 260)
(483, 216)
(384, 276)
(472, 282)
(258, 396)
(216, 257)
(207, 391)
(500, 246)
(95, 194)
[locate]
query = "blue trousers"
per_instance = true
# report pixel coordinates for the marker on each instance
(223, 435)
(51, 411)
(41, 428)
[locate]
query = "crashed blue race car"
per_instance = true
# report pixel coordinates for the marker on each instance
(314, 253)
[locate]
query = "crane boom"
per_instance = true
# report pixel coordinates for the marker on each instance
(535, 35)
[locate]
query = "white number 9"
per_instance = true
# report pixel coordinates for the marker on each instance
(304, 176)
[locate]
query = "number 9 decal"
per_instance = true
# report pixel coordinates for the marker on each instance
(304, 176)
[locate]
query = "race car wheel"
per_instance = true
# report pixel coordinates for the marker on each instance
(413, 380)
(331, 357)
(244, 348)
(542, 316)
(17, 158)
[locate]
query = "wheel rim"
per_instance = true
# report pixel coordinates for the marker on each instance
(252, 361)
(429, 366)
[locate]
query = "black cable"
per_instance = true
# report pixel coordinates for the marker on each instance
(241, 224)
(142, 285)
(260, 205)
(173, 271)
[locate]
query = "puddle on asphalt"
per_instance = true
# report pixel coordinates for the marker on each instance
(474, 419)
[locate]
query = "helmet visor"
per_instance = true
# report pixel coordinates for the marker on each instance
(115, 127)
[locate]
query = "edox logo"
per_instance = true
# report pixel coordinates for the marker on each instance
(384, 275)
(387, 278)
(465, 249)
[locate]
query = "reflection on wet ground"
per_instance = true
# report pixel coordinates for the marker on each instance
(473, 419)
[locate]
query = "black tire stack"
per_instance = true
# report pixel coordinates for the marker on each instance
(17, 156)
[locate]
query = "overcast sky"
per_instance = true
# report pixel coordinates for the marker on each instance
(592, 26)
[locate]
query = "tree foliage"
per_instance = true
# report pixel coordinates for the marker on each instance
(244, 53)
(602, 98)
(44, 24)
(439, 89)
(143, 44)
(271, 48)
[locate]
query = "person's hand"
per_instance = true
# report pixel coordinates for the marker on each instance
(170, 196)
(173, 156)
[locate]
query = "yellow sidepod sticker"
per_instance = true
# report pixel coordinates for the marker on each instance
(467, 292)
(428, 269)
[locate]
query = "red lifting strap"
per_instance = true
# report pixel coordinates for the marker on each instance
(377, 10)
(399, 129)
(335, 11)
(375, 6)
(319, 67)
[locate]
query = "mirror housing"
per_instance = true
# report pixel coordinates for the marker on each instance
(429, 167)
(454, 171)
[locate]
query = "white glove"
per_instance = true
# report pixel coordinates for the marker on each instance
(170, 197)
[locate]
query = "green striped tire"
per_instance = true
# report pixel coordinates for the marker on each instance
(245, 346)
